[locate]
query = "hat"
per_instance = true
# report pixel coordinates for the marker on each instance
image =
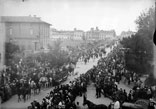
(35, 100)
(151, 100)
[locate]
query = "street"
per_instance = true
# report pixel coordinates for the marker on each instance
(77, 54)
(80, 68)
(13, 103)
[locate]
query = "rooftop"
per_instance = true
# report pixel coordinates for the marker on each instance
(127, 32)
(22, 19)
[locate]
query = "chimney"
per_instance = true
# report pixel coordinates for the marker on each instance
(97, 29)
(92, 29)
(74, 29)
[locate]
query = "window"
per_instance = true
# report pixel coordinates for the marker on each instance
(10, 31)
(29, 47)
(0, 57)
(31, 31)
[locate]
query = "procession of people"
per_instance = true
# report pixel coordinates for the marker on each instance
(24, 81)
(109, 72)
(106, 76)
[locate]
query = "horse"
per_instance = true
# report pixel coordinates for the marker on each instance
(91, 105)
(44, 81)
(38, 87)
(28, 92)
(33, 87)
(19, 93)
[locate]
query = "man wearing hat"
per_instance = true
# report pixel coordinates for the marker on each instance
(37, 104)
(152, 104)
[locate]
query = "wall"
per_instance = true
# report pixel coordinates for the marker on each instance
(22, 30)
(28, 35)
(154, 60)
(2, 45)
(44, 35)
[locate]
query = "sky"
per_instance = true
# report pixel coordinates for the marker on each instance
(119, 15)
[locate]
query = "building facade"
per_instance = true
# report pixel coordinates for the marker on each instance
(2, 45)
(96, 34)
(127, 33)
(62, 35)
(30, 33)
(66, 35)
(80, 35)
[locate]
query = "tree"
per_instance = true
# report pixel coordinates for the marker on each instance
(56, 57)
(57, 46)
(140, 46)
(10, 52)
(146, 23)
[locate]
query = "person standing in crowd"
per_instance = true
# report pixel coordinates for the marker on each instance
(96, 85)
(110, 106)
(149, 93)
(130, 96)
(44, 104)
(84, 97)
(152, 104)
(36, 104)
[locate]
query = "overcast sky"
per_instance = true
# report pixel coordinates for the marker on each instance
(81, 14)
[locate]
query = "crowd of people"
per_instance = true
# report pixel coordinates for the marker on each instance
(106, 76)
(109, 72)
(63, 96)
(24, 80)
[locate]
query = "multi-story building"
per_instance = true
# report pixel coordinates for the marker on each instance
(127, 33)
(2, 45)
(78, 34)
(30, 33)
(92, 34)
(62, 35)
(66, 35)
(99, 34)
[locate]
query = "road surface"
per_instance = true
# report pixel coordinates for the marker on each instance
(80, 68)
